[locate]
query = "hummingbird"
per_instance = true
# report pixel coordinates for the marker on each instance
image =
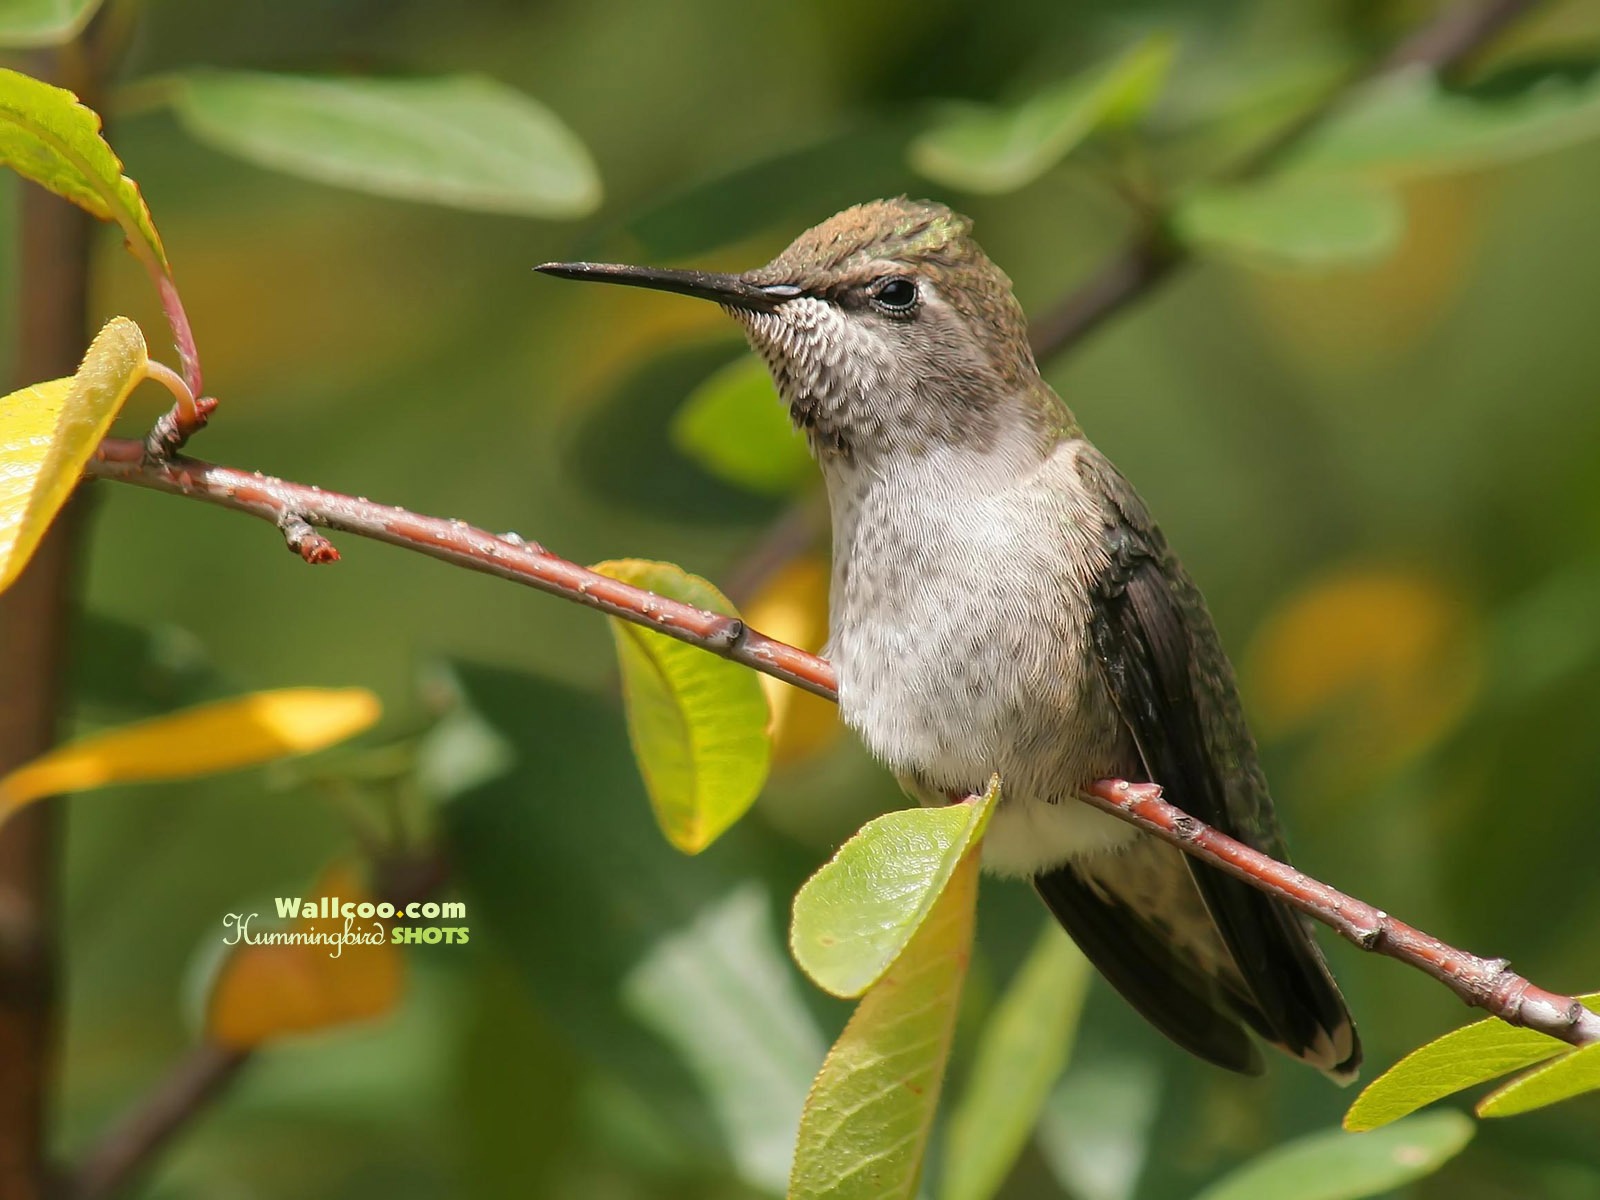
(1001, 602)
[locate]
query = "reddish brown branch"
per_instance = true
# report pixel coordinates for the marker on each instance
(1486, 983)
(296, 507)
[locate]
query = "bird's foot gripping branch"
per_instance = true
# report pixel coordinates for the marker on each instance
(888, 921)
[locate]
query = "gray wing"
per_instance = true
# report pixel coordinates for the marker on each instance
(1173, 686)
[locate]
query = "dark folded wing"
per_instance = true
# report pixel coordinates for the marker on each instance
(1169, 678)
(1140, 960)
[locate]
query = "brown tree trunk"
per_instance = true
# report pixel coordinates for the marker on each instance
(34, 614)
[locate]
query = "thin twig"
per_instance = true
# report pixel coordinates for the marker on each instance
(295, 507)
(201, 1076)
(1486, 983)
(792, 534)
(185, 1090)
(1481, 982)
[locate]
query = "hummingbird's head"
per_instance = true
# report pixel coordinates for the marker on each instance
(886, 329)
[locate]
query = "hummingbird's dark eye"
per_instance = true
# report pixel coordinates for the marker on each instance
(896, 295)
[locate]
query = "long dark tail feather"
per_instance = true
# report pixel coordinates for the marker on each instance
(1297, 1006)
(1272, 976)
(1164, 989)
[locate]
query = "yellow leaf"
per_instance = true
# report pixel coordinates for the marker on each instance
(793, 607)
(1384, 661)
(203, 740)
(1354, 321)
(49, 430)
(264, 991)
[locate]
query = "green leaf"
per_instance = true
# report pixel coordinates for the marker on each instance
(620, 445)
(1460, 1059)
(984, 148)
(1347, 1166)
(50, 430)
(43, 22)
(1296, 221)
(48, 137)
(1411, 124)
(1097, 1126)
(736, 427)
(720, 992)
(866, 1121)
(461, 141)
(858, 912)
(1022, 1052)
(698, 723)
(1573, 1074)
(123, 670)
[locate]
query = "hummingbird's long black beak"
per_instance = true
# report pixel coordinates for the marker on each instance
(708, 285)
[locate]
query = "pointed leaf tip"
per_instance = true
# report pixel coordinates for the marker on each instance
(1461, 1059)
(210, 738)
(49, 431)
(856, 914)
(47, 136)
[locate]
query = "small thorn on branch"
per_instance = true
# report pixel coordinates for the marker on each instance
(305, 541)
(729, 637)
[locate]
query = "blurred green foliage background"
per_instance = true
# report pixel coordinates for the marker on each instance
(1382, 474)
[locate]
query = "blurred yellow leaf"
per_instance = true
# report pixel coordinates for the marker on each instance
(206, 739)
(1358, 318)
(1393, 652)
(49, 430)
(264, 991)
(793, 607)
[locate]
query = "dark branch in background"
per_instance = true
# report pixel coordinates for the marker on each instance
(298, 510)
(1481, 982)
(124, 1152)
(118, 1157)
(1154, 256)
